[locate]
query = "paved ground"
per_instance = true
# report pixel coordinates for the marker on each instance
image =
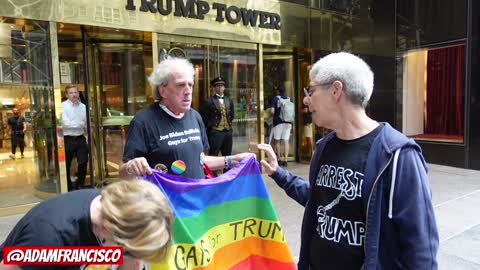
(456, 196)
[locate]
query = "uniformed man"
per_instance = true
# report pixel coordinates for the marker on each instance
(217, 114)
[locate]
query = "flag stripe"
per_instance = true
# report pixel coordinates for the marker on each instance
(227, 234)
(231, 255)
(181, 184)
(262, 263)
(228, 256)
(219, 214)
(193, 202)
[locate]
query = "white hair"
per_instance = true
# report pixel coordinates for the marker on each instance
(164, 70)
(353, 72)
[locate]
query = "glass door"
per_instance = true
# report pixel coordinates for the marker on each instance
(118, 91)
(278, 71)
(236, 62)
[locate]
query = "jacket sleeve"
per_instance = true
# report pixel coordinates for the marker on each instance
(295, 186)
(413, 212)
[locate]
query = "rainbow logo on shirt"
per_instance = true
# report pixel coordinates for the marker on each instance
(227, 222)
(178, 167)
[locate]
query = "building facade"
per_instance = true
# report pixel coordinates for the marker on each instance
(108, 48)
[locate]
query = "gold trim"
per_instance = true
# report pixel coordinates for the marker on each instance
(183, 39)
(260, 93)
(116, 120)
(43, 195)
(15, 210)
(58, 93)
(113, 14)
(234, 44)
(278, 57)
(154, 50)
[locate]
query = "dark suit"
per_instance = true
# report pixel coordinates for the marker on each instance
(219, 140)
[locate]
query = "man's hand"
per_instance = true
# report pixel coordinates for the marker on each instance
(239, 157)
(270, 163)
(138, 167)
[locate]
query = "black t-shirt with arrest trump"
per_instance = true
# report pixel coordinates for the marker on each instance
(178, 144)
(337, 242)
(63, 220)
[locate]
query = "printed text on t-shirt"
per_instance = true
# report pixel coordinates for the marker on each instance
(349, 185)
(176, 138)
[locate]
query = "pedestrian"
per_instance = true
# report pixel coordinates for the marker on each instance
(16, 127)
(308, 130)
(218, 113)
(74, 117)
(282, 124)
(132, 214)
(368, 202)
(169, 135)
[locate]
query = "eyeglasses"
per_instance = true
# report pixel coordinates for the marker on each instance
(309, 90)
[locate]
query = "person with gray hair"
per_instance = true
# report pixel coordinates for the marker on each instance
(169, 135)
(368, 201)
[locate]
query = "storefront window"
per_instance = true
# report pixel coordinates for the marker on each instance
(433, 94)
(28, 170)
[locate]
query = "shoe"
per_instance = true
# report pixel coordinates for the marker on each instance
(285, 164)
(22, 156)
(12, 156)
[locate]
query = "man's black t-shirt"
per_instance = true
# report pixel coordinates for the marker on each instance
(63, 220)
(337, 242)
(162, 139)
(16, 124)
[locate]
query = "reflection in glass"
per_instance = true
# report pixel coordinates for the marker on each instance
(350, 7)
(238, 66)
(278, 71)
(26, 84)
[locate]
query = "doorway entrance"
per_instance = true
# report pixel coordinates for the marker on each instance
(234, 61)
(109, 66)
(117, 64)
(278, 71)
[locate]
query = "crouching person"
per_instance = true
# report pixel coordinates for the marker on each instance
(132, 214)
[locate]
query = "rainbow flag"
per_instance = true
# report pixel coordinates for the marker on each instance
(227, 222)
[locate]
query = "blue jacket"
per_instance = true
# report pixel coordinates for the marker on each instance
(401, 231)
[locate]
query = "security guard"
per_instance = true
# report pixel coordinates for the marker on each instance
(217, 114)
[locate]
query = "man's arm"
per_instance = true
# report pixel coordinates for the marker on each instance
(295, 186)
(218, 163)
(412, 212)
(66, 121)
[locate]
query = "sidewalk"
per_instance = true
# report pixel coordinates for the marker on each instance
(456, 195)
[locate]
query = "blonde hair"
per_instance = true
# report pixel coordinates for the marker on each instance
(137, 215)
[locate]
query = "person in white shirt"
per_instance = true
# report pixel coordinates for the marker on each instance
(74, 117)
